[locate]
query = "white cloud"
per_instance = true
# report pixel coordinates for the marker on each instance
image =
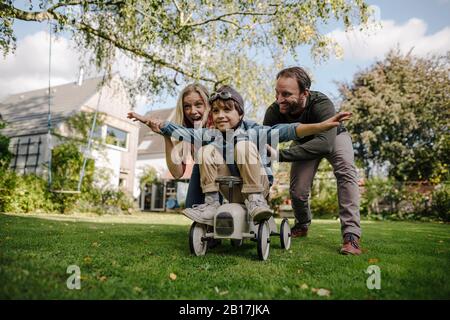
(378, 40)
(27, 68)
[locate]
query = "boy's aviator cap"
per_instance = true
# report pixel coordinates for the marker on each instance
(225, 93)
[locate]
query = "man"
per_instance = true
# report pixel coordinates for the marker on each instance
(296, 103)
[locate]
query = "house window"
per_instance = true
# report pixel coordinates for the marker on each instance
(116, 137)
(98, 134)
(26, 155)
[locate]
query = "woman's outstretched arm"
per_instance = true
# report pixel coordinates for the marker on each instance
(176, 166)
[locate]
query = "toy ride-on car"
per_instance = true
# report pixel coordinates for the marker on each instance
(233, 222)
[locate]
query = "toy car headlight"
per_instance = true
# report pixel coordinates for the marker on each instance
(224, 224)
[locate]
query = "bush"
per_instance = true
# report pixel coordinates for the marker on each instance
(393, 200)
(5, 154)
(67, 162)
(23, 193)
(29, 193)
(324, 201)
(440, 202)
(277, 197)
(101, 201)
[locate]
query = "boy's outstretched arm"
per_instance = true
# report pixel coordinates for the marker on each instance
(307, 129)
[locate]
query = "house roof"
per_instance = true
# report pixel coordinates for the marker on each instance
(151, 143)
(26, 113)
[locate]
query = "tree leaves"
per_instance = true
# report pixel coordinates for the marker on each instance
(401, 107)
(208, 41)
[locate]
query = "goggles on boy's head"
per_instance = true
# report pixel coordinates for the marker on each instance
(224, 95)
(227, 93)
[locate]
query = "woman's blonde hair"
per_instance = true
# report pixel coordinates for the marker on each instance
(179, 112)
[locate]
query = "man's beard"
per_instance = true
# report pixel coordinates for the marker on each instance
(295, 107)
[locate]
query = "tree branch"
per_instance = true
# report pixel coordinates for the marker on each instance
(13, 12)
(51, 14)
(237, 13)
(139, 52)
(180, 12)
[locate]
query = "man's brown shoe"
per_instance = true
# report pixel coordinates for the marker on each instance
(299, 231)
(351, 245)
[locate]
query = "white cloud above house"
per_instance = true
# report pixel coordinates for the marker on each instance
(379, 39)
(27, 68)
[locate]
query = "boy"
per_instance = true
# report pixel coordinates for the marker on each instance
(242, 144)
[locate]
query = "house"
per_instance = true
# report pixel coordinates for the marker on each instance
(168, 192)
(26, 115)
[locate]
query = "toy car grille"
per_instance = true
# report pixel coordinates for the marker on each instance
(224, 224)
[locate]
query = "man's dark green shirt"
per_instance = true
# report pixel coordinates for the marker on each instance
(318, 108)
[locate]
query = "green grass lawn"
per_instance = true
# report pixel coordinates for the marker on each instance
(133, 258)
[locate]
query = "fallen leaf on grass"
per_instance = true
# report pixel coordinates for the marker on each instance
(103, 278)
(87, 260)
(304, 286)
(221, 293)
(321, 292)
(287, 290)
(373, 260)
(173, 276)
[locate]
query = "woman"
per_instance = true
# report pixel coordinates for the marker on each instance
(192, 111)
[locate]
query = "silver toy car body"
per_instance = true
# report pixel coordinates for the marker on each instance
(233, 222)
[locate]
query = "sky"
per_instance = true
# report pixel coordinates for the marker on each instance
(417, 25)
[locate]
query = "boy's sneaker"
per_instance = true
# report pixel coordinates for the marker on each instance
(202, 213)
(257, 207)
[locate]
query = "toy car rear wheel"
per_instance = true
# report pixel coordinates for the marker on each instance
(196, 233)
(285, 234)
(263, 240)
(236, 242)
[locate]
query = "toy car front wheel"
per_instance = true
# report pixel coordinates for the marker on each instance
(285, 234)
(263, 240)
(196, 234)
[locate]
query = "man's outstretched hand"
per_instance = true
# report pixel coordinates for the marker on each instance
(154, 124)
